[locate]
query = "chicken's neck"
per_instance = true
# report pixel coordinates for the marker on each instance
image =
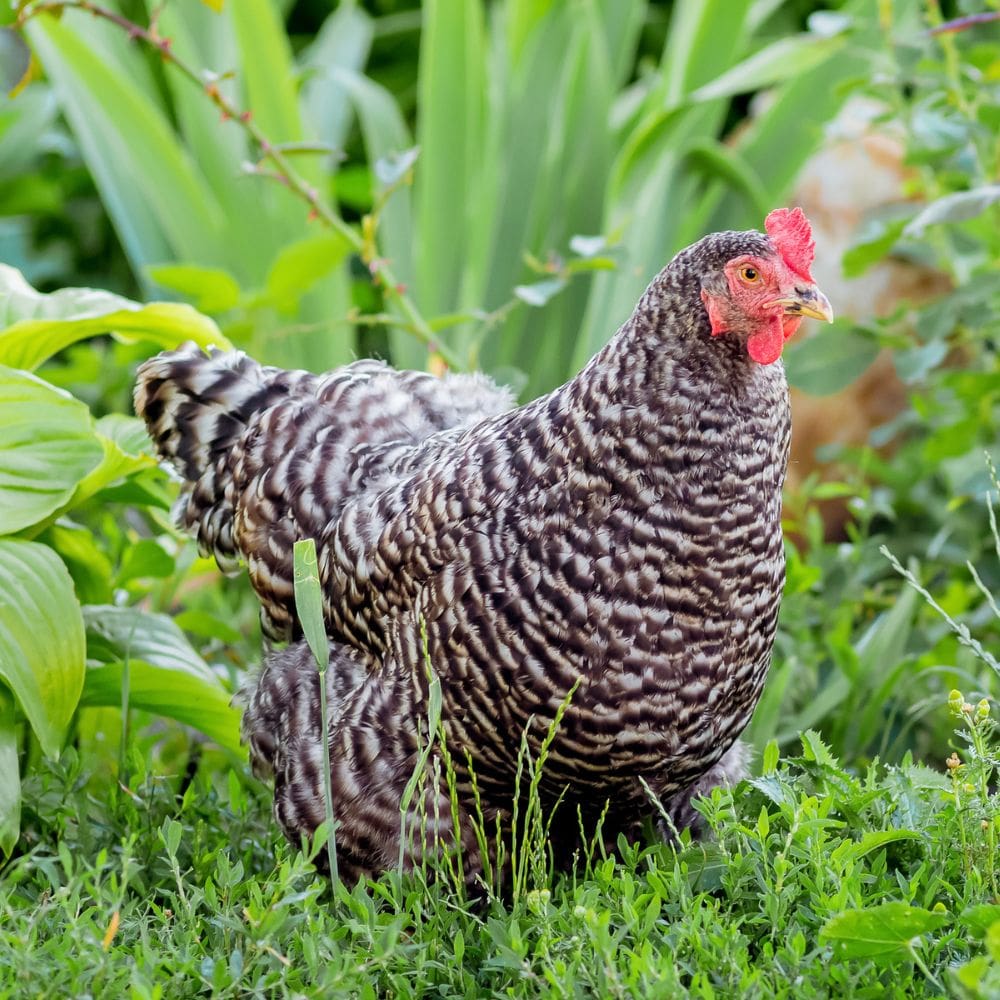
(663, 369)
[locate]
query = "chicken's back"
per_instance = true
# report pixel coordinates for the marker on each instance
(270, 456)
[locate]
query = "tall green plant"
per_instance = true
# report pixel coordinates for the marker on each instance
(56, 652)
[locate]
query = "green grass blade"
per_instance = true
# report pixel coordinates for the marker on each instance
(309, 608)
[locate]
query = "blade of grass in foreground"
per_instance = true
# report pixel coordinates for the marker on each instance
(309, 607)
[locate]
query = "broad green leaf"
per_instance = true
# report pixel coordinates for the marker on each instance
(87, 563)
(309, 601)
(877, 238)
(828, 359)
(128, 433)
(299, 266)
(782, 60)
(34, 325)
(202, 704)
(146, 558)
(166, 674)
(119, 633)
(210, 289)
(47, 447)
(10, 776)
(41, 638)
(979, 919)
(957, 207)
(883, 933)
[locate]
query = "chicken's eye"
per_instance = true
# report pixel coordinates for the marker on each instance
(749, 274)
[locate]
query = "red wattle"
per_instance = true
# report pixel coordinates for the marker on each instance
(765, 346)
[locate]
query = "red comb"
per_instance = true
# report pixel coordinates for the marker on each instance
(791, 235)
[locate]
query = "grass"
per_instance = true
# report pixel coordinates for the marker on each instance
(811, 881)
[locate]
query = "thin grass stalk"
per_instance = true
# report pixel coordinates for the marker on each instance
(309, 607)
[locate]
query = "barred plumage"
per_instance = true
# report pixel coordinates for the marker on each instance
(621, 535)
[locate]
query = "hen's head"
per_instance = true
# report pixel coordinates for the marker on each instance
(758, 288)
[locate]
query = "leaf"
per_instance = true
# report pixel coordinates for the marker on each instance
(119, 633)
(979, 919)
(957, 207)
(884, 643)
(829, 359)
(875, 241)
(41, 638)
(267, 70)
(192, 700)
(300, 265)
(166, 674)
(34, 326)
(210, 289)
(47, 447)
(884, 933)
(341, 44)
(451, 98)
(587, 246)
(145, 558)
(10, 777)
(875, 839)
(391, 169)
(309, 601)
(781, 60)
(538, 293)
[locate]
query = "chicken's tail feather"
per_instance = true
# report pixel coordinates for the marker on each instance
(196, 407)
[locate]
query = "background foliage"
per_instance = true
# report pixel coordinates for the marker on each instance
(492, 185)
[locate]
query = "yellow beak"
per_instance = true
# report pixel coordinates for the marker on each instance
(809, 301)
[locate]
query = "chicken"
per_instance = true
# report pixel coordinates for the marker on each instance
(613, 549)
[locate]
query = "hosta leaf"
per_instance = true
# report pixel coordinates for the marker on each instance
(166, 674)
(885, 932)
(193, 700)
(121, 633)
(47, 446)
(34, 326)
(41, 638)
(10, 777)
